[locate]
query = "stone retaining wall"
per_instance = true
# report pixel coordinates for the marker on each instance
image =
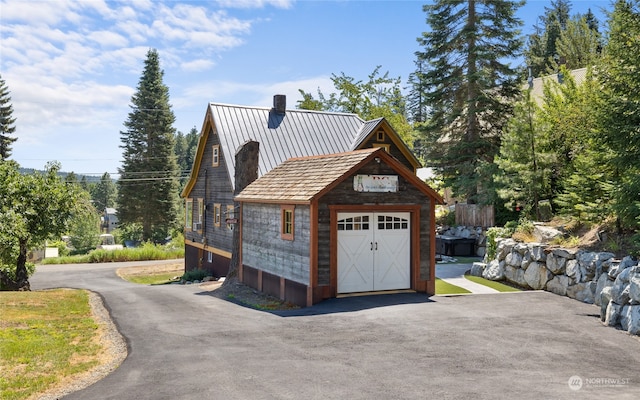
(591, 277)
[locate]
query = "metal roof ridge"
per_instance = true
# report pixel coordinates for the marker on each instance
(300, 110)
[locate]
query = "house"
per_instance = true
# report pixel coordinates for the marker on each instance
(110, 219)
(291, 137)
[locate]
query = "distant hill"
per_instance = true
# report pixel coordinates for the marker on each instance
(63, 175)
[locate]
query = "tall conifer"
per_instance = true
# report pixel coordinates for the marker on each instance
(148, 185)
(7, 122)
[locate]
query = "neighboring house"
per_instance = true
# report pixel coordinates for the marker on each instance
(110, 219)
(284, 134)
(537, 84)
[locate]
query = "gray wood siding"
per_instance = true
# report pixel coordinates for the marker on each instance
(215, 189)
(344, 194)
(263, 248)
(393, 149)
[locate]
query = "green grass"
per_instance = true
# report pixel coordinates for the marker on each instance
(443, 287)
(500, 287)
(152, 279)
(145, 252)
(45, 337)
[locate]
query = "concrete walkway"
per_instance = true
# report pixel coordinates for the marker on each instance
(454, 274)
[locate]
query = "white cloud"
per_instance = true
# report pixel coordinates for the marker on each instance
(197, 65)
(255, 3)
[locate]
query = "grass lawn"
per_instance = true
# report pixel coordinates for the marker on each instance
(45, 337)
(152, 275)
(443, 287)
(500, 287)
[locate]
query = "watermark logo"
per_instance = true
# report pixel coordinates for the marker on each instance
(576, 382)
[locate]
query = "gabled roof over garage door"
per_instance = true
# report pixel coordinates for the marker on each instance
(301, 180)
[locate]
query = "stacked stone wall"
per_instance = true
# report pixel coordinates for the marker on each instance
(591, 277)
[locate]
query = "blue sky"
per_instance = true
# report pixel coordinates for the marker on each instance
(72, 66)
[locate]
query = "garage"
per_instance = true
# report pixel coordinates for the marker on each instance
(374, 252)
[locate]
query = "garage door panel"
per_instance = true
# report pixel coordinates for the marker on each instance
(393, 256)
(355, 258)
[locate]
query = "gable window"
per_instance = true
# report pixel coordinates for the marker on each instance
(380, 136)
(215, 155)
(188, 214)
(216, 214)
(287, 222)
(381, 146)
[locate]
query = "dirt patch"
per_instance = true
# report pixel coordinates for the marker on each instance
(177, 267)
(247, 296)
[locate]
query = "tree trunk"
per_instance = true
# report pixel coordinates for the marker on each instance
(21, 283)
(246, 172)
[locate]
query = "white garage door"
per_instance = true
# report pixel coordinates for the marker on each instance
(373, 252)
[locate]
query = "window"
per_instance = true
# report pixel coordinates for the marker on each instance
(216, 155)
(230, 215)
(216, 214)
(198, 216)
(209, 257)
(188, 214)
(359, 223)
(287, 222)
(380, 136)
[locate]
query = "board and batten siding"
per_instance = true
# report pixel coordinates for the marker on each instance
(343, 194)
(216, 189)
(264, 249)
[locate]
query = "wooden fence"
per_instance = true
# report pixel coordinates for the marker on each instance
(475, 215)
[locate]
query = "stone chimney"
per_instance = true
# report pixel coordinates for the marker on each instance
(280, 103)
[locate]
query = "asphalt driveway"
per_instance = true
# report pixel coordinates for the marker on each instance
(186, 344)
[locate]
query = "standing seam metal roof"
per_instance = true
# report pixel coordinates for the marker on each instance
(297, 133)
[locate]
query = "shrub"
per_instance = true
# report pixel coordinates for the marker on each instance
(195, 275)
(492, 235)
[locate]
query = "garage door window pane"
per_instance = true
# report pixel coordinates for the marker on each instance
(359, 223)
(387, 222)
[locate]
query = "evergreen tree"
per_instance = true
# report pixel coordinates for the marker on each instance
(524, 165)
(578, 45)
(7, 122)
(541, 54)
(469, 87)
(620, 108)
(185, 149)
(103, 193)
(148, 185)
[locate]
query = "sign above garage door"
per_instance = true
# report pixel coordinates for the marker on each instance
(375, 183)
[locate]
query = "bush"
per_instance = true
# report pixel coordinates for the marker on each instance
(195, 275)
(492, 235)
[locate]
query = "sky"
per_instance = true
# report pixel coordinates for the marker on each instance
(71, 66)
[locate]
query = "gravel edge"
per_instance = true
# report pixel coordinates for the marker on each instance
(115, 352)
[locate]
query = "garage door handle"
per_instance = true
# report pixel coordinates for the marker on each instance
(376, 246)
(371, 246)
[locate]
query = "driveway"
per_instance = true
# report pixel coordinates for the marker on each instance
(186, 344)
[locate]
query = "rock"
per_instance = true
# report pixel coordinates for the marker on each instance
(494, 271)
(515, 275)
(545, 233)
(582, 292)
(558, 285)
(569, 254)
(537, 276)
(464, 233)
(634, 289)
(603, 282)
(538, 253)
(481, 251)
(603, 299)
(630, 319)
(573, 271)
(613, 314)
(556, 264)
(620, 292)
(504, 247)
(477, 268)
(618, 267)
(514, 259)
(521, 248)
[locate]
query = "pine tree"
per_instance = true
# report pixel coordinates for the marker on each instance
(148, 185)
(103, 194)
(578, 45)
(469, 87)
(7, 122)
(620, 107)
(541, 54)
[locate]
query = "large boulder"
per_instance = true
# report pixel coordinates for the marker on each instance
(504, 247)
(620, 292)
(569, 254)
(537, 276)
(494, 271)
(546, 234)
(583, 291)
(515, 275)
(556, 264)
(630, 319)
(477, 268)
(514, 259)
(558, 285)
(538, 253)
(602, 283)
(604, 298)
(634, 289)
(613, 314)
(573, 271)
(618, 267)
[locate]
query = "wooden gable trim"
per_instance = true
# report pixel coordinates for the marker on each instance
(207, 126)
(397, 167)
(395, 138)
